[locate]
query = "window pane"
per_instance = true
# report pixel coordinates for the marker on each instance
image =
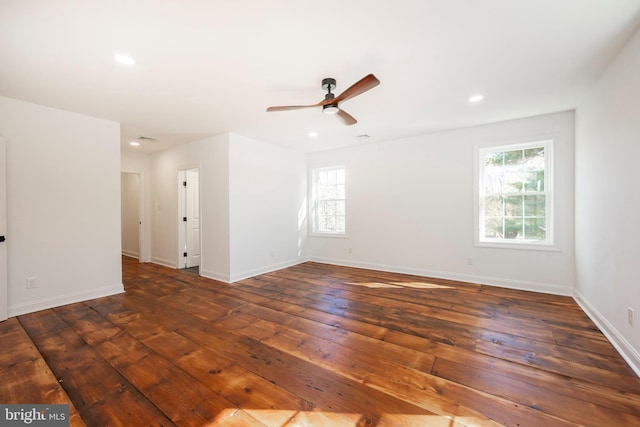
(493, 228)
(326, 223)
(327, 192)
(331, 177)
(493, 206)
(534, 181)
(513, 206)
(331, 223)
(535, 229)
(495, 158)
(340, 223)
(535, 205)
(340, 191)
(326, 207)
(512, 182)
(339, 207)
(340, 176)
(513, 157)
(534, 158)
(493, 180)
(513, 228)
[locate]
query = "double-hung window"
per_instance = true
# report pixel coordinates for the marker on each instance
(328, 201)
(515, 194)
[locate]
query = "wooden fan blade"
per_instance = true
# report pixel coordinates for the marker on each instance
(366, 83)
(346, 118)
(292, 107)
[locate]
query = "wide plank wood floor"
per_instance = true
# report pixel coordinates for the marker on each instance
(317, 345)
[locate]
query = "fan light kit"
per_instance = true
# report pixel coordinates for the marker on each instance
(330, 109)
(330, 103)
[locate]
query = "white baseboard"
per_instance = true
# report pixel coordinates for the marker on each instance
(266, 269)
(215, 275)
(250, 273)
(522, 285)
(59, 300)
(626, 350)
(165, 262)
(130, 254)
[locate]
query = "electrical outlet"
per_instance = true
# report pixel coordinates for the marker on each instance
(31, 283)
(469, 260)
(630, 316)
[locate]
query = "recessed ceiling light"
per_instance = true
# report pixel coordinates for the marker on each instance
(124, 59)
(134, 143)
(476, 98)
(313, 134)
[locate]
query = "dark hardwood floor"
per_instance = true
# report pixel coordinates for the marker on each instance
(317, 345)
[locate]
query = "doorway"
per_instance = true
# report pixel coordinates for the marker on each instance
(130, 193)
(189, 219)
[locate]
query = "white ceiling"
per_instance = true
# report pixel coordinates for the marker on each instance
(213, 66)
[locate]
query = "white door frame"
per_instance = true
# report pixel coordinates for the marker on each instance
(4, 291)
(184, 262)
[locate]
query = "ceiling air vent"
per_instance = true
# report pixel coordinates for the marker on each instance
(146, 138)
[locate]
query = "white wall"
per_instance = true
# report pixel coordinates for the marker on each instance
(63, 206)
(252, 198)
(211, 156)
(130, 194)
(140, 164)
(410, 207)
(267, 195)
(608, 202)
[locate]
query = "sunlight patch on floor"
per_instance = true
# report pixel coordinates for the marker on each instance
(399, 285)
(294, 418)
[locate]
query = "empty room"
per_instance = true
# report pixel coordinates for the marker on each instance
(286, 213)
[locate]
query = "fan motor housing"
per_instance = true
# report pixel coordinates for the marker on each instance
(328, 84)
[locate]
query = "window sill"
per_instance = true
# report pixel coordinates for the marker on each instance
(330, 235)
(519, 246)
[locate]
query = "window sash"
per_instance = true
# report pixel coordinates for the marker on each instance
(515, 194)
(328, 207)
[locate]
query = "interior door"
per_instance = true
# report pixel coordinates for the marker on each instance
(3, 231)
(193, 218)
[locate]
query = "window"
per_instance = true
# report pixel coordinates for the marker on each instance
(515, 194)
(328, 201)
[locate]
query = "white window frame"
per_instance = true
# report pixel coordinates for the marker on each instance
(549, 242)
(313, 203)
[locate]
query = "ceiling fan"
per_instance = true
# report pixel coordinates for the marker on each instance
(330, 103)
